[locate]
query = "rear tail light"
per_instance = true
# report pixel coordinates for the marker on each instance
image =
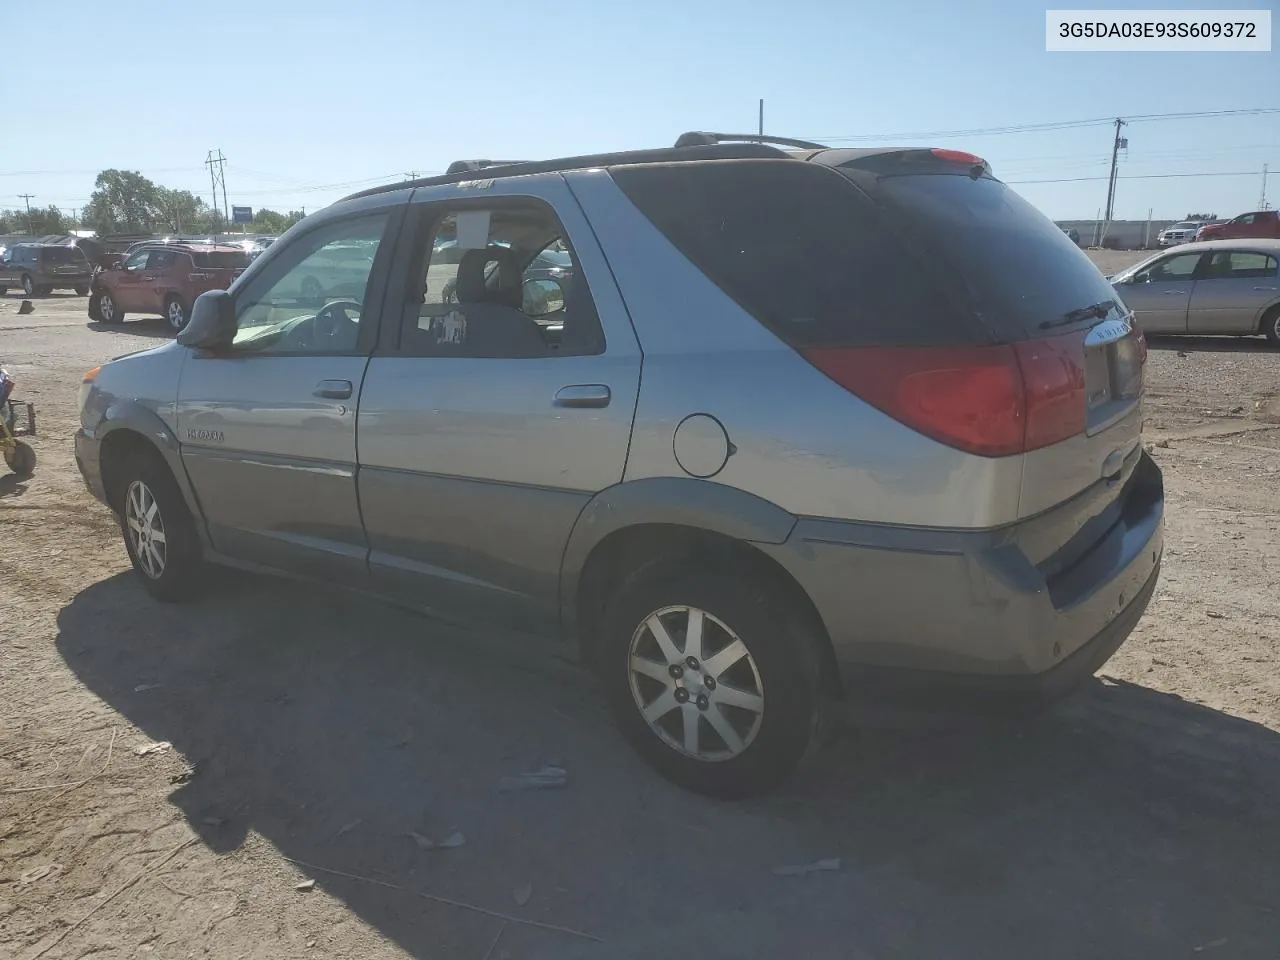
(991, 400)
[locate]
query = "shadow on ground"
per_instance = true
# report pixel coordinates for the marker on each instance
(143, 327)
(1161, 341)
(1128, 823)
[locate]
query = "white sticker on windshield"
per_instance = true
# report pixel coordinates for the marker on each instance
(472, 229)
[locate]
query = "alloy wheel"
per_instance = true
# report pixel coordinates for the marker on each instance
(176, 315)
(695, 683)
(145, 528)
(107, 308)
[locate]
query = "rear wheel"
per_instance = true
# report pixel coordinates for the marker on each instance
(175, 313)
(21, 459)
(1271, 325)
(29, 286)
(108, 311)
(3, 291)
(159, 532)
(711, 676)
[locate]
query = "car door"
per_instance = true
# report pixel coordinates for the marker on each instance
(126, 284)
(1160, 295)
(502, 407)
(1231, 292)
(268, 427)
(154, 276)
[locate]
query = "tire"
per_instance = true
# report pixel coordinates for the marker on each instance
(1271, 325)
(778, 674)
(45, 289)
(3, 291)
(169, 568)
(21, 459)
(176, 313)
(28, 286)
(82, 291)
(108, 310)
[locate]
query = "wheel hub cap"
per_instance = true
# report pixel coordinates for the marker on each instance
(146, 529)
(695, 683)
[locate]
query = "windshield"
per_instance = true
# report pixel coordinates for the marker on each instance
(1018, 268)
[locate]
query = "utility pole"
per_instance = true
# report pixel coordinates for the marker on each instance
(1262, 204)
(1111, 180)
(762, 116)
(411, 174)
(218, 178)
(30, 226)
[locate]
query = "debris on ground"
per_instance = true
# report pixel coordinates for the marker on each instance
(39, 873)
(522, 893)
(802, 869)
(454, 840)
(1215, 615)
(548, 777)
(26, 307)
(149, 749)
(348, 827)
(305, 886)
(144, 687)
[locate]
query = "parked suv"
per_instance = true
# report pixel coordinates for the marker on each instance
(813, 423)
(163, 280)
(41, 268)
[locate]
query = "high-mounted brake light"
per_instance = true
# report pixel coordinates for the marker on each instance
(958, 156)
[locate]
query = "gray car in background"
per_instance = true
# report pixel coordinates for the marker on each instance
(1223, 287)
(790, 424)
(40, 268)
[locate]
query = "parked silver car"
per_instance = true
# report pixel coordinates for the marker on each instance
(1224, 287)
(1183, 232)
(808, 424)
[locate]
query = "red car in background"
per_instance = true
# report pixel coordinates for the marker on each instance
(164, 279)
(1261, 223)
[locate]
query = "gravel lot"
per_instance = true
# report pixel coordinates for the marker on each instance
(324, 738)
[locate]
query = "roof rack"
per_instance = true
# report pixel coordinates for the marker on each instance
(470, 166)
(701, 138)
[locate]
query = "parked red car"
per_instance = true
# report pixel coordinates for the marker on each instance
(1261, 223)
(164, 279)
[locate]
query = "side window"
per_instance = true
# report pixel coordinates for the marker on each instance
(1181, 267)
(311, 299)
(137, 261)
(1242, 265)
(499, 282)
(161, 260)
(1244, 218)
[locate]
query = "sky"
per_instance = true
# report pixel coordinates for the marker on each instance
(312, 100)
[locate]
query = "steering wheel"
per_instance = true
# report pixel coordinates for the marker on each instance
(331, 317)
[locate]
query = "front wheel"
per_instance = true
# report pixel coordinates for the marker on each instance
(175, 312)
(712, 677)
(159, 532)
(21, 459)
(108, 311)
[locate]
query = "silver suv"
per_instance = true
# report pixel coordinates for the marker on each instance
(789, 426)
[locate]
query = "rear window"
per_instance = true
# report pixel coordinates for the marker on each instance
(799, 248)
(221, 260)
(61, 255)
(1018, 269)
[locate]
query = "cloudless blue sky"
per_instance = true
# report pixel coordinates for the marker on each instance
(311, 99)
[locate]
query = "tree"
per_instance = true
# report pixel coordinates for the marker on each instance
(183, 212)
(38, 223)
(123, 201)
(271, 222)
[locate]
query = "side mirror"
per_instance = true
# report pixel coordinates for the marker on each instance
(213, 322)
(541, 298)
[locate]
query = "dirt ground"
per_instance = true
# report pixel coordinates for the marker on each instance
(315, 746)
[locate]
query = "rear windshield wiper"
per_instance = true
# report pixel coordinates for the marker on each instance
(1097, 310)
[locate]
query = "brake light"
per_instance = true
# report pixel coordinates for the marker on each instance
(991, 400)
(958, 156)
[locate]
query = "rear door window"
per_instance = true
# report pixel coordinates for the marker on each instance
(800, 249)
(61, 256)
(1241, 265)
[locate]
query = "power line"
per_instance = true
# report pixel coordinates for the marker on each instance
(1139, 176)
(1045, 127)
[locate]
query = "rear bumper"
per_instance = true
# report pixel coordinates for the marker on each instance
(946, 613)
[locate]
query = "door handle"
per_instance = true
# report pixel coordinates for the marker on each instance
(583, 395)
(1174, 293)
(333, 389)
(149, 279)
(1264, 288)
